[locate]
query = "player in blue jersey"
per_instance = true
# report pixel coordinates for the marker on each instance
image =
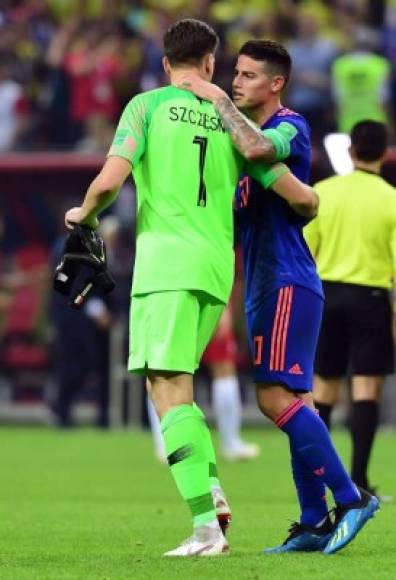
(284, 298)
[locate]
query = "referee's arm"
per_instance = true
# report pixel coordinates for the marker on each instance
(393, 252)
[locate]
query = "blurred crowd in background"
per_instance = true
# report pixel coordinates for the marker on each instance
(67, 69)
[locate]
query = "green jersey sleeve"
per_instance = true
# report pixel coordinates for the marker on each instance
(131, 135)
(281, 138)
(266, 175)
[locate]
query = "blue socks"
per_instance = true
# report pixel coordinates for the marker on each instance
(311, 444)
(311, 491)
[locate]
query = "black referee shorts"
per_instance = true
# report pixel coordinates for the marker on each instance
(356, 332)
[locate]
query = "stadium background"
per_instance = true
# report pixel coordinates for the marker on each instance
(92, 504)
(67, 68)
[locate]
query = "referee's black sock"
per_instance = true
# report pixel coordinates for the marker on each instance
(364, 423)
(325, 413)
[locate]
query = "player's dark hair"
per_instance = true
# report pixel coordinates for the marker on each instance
(188, 41)
(272, 53)
(369, 140)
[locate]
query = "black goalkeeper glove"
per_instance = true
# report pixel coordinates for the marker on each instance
(84, 250)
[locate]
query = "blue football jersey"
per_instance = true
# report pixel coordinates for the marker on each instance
(274, 250)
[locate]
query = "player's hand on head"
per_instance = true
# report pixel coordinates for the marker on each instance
(76, 215)
(201, 88)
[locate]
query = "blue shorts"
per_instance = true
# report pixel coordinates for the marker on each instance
(283, 333)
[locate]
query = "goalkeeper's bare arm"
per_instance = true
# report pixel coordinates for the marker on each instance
(101, 193)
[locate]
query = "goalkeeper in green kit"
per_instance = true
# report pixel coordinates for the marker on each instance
(186, 171)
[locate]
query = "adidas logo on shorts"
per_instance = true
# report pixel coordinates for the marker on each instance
(295, 370)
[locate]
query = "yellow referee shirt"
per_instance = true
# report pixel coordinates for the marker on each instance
(353, 238)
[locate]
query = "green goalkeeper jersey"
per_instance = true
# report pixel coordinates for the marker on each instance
(185, 169)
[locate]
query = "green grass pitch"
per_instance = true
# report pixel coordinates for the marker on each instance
(90, 505)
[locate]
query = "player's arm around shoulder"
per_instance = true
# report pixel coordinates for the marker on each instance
(246, 136)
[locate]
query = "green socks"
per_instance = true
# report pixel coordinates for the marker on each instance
(187, 448)
(210, 452)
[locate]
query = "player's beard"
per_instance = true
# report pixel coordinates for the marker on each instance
(245, 109)
(242, 108)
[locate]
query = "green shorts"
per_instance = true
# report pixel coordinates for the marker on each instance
(170, 330)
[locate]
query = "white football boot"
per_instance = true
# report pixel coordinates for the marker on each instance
(206, 541)
(242, 452)
(223, 510)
